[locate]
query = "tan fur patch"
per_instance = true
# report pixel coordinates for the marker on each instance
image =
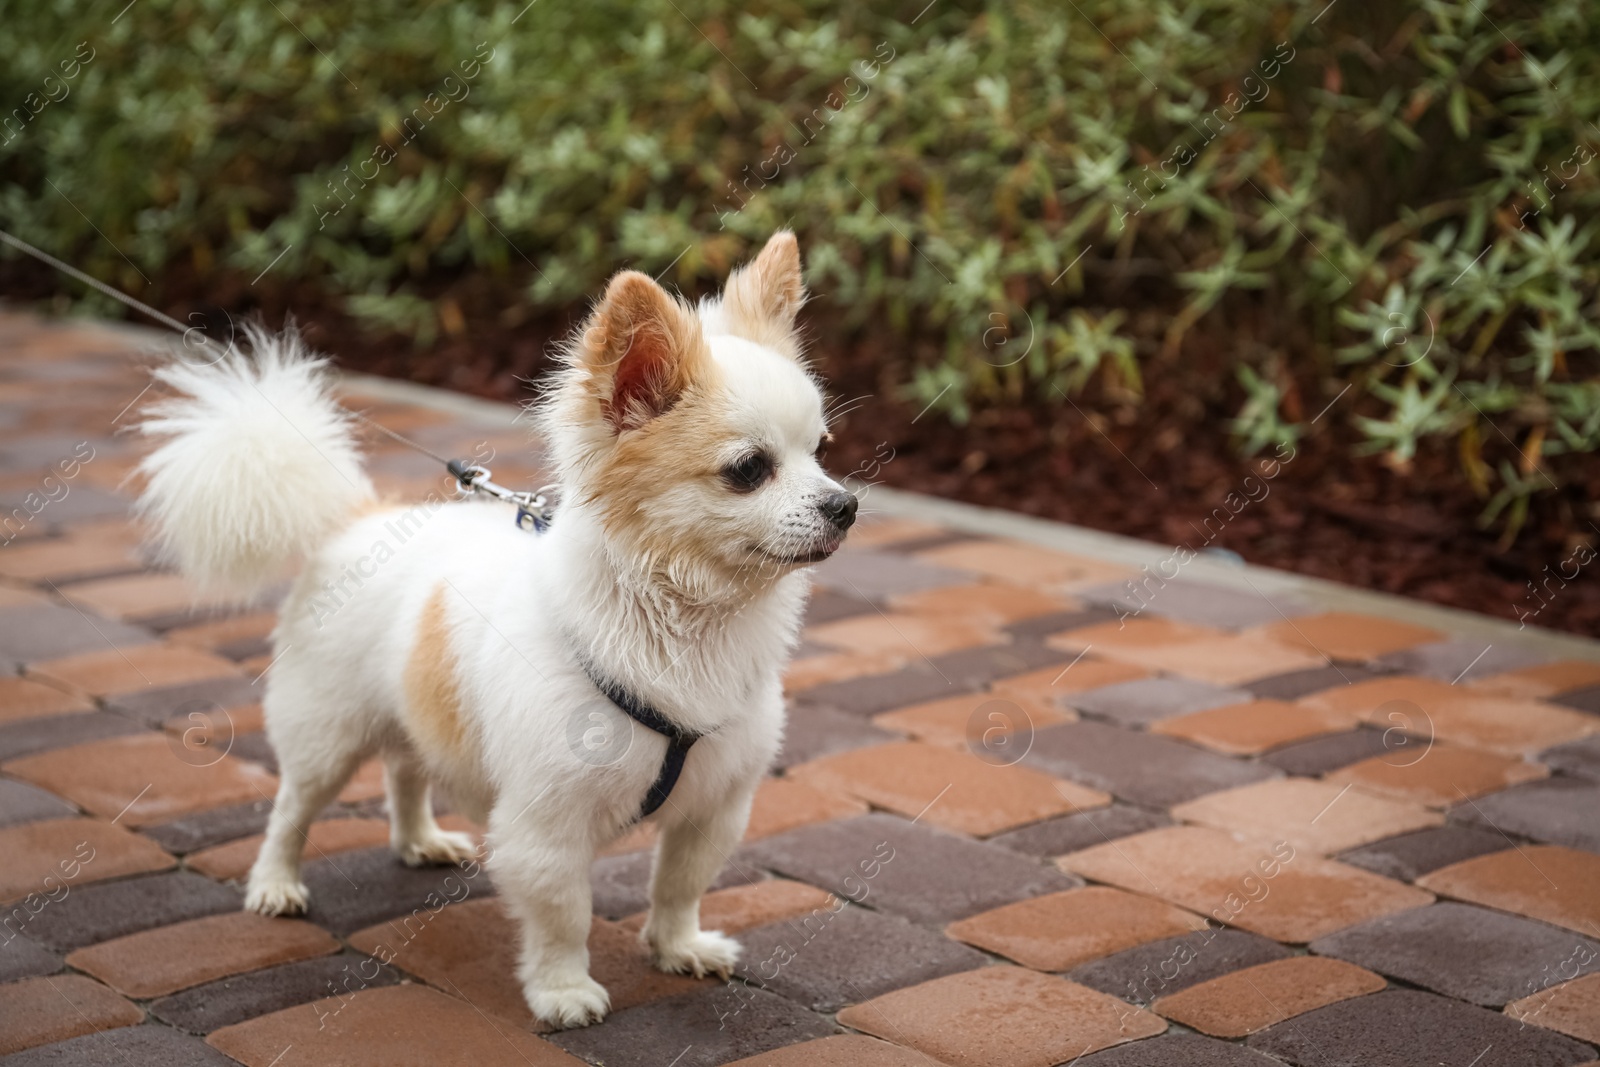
(433, 698)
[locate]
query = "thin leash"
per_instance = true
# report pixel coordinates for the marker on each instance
(534, 510)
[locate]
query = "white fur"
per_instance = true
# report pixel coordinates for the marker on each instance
(708, 654)
(259, 465)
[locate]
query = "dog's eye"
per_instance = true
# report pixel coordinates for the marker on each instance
(822, 448)
(749, 473)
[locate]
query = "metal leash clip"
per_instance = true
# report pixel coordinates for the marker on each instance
(534, 510)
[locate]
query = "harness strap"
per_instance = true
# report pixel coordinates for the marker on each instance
(679, 741)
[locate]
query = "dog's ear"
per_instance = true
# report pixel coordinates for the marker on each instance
(762, 299)
(642, 349)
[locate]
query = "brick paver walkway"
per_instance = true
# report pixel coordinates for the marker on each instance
(1201, 828)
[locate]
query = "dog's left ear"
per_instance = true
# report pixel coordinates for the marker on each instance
(762, 299)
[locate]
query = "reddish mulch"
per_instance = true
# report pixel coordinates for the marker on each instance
(1156, 471)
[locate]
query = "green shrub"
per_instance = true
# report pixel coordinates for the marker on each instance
(1396, 197)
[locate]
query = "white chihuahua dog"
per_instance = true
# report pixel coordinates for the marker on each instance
(551, 683)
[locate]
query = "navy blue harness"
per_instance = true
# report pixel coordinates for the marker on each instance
(679, 741)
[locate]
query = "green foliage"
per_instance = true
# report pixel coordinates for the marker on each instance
(1391, 195)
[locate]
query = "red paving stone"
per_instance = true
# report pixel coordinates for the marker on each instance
(966, 649)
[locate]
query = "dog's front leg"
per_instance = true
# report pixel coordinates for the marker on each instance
(544, 883)
(688, 857)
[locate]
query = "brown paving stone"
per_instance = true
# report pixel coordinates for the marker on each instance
(959, 721)
(1236, 659)
(1571, 1008)
(1206, 871)
(1345, 635)
(226, 635)
(1155, 772)
(1409, 856)
(329, 837)
(139, 596)
(1540, 681)
(1025, 564)
(845, 955)
(1049, 684)
(1318, 817)
(123, 670)
(1439, 775)
(1255, 998)
(1557, 885)
(102, 911)
(808, 672)
(142, 778)
(1062, 930)
(744, 907)
(842, 1050)
(382, 1028)
(62, 559)
(1408, 1028)
(1254, 726)
(16, 596)
(1462, 951)
(954, 790)
(38, 1011)
(1510, 726)
(903, 868)
(903, 635)
(171, 958)
(470, 950)
(1138, 641)
(365, 784)
(1002, 1017)
(989, 604)
(25, 698)
(71, 852)
(783, 804)
(879, 530)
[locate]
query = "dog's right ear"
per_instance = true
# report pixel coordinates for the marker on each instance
(642, 349)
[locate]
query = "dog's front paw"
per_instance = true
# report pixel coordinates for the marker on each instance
(442, 846)
(276, 898)
(577, 1003)
(707, 952)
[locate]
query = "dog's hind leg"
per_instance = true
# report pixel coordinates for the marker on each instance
(413, 834)
(315, 760)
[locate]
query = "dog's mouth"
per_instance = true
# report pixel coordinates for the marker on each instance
(827, 549)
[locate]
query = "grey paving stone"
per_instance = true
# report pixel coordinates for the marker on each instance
(1042, 626)
(23, 957)
(621, 884)
(1447, 660)
(129, 1046)
(866, 572)
(1191, 601)
(832, 959)
(98, 912)
(1156, 772)
(702, 1029)
(813, 732)
(21, 802)
(1578, 758)
(154, 707)
(1147, 700)
(912, 684)
(1556, 811)
(969, 669)
(1146, 973)
(1585, 699)
(27, 736)
(1410, 856)
(48, 631)
(1069, 833)
(1319, 755)
(1462, 951)
(828, 605)
(1408, 1028)
(215, 827)
(353, 890)
(894, 865)
(81, 503)
(245, 996)
(1296, 684)
(1178, 1050)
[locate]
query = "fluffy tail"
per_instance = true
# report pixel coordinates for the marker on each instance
(258, 467)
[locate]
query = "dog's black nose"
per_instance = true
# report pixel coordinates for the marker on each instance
(840, 508)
